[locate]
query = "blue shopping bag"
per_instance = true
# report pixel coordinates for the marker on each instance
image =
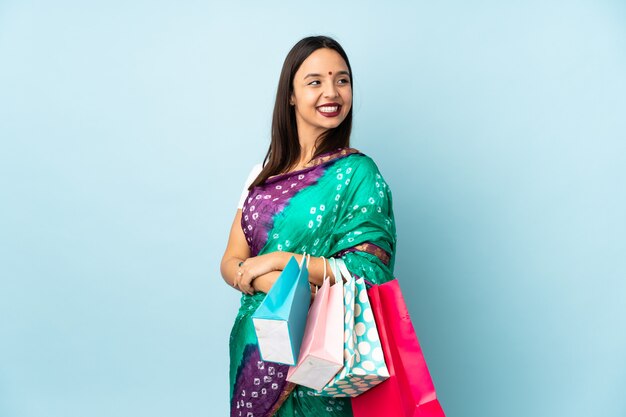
(280, 320)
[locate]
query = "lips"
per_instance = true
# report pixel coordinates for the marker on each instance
(329, 109)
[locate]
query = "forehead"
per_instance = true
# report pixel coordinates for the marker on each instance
(322, 61)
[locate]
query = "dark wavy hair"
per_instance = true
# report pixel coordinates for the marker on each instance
(284, 149)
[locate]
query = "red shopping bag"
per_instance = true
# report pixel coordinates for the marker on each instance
(409, 391)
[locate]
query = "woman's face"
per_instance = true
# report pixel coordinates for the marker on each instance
(322, 94)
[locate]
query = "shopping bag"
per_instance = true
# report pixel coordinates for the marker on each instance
(409, 391)
(321, 353)
(364, 363)
(280, 320)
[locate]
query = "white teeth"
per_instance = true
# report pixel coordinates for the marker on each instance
(329, 109)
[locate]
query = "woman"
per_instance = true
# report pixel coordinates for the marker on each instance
(314, 194)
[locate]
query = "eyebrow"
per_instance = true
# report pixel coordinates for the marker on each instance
(319, 75)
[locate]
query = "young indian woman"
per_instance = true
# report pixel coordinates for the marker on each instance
(313, 194)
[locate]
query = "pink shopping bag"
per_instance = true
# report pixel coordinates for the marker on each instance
(321, 354)
(409, 391)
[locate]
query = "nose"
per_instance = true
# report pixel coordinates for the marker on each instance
(330, 90)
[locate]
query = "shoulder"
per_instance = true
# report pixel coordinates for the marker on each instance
(256, 169)
(362, 166)
(362, 184)
(358, 173)
(254, 172)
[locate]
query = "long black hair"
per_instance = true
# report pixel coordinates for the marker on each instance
(284, 149)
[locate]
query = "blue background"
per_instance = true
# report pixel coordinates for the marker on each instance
(128, 128)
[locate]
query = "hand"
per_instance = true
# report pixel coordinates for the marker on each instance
(253, 268)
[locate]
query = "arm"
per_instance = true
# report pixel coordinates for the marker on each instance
(316, 267)
(260, 272)
(237, 250)
(264, 282)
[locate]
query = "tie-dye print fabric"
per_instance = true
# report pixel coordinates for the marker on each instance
(339, 207)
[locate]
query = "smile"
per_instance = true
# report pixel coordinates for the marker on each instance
(329, 111)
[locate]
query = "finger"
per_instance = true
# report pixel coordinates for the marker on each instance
(247, 289)
(238, 278)
(246, 279)
(246, 283)
(242, 281)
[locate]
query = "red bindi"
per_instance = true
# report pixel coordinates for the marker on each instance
(330, 73)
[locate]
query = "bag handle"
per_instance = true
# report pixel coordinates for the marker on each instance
(334, 267)
(323, 276)
(348, 275)
(343, 269)
(307, 257)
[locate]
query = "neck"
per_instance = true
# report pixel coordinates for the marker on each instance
(308, 145)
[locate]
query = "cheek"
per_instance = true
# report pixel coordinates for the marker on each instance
(347, 102)
(347, 97)
(311, 97)
(306, 99)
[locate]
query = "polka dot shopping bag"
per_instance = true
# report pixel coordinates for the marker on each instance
(364, 363)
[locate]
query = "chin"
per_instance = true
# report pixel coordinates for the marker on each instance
(333, 124)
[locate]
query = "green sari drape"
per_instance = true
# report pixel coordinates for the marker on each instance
(340, 207)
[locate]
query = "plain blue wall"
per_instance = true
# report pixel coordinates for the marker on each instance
(128, 128)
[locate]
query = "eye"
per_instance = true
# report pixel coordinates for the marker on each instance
(315, 81)
(344, 81)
